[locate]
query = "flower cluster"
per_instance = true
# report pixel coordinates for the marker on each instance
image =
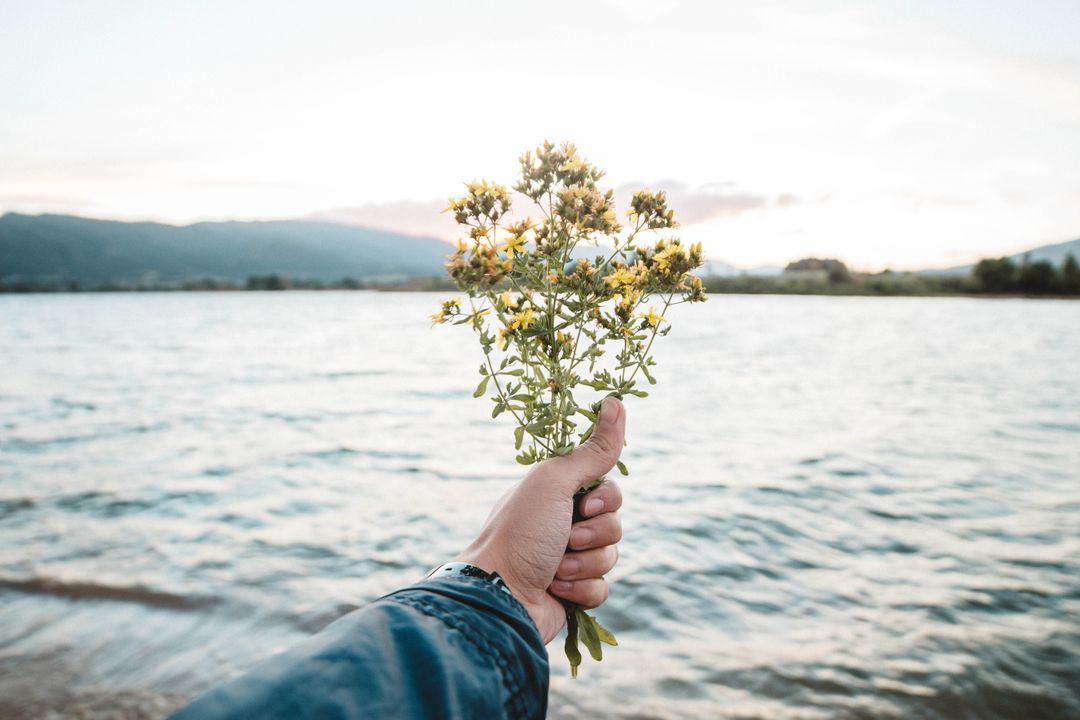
(565, 304)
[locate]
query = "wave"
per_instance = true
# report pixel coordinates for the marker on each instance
(11, 506)
(116, 593)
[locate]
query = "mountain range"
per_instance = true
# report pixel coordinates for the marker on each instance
(65, 249)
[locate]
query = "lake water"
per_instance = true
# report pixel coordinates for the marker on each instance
(837, 508)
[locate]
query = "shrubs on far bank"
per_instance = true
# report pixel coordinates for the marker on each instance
(808, 276)
(1000, 276)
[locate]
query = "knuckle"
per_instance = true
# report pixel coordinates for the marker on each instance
(598, 593)
(612, 557)
(603, 448)
(614, 530)
(612, 494)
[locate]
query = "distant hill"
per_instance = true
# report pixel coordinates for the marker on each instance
(65, 248)
(1054, 254)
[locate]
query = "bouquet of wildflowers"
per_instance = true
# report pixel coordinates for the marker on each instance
(564, 301)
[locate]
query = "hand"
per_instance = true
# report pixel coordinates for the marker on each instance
(528, 532)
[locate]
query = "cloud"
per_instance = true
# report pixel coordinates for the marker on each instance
(692, 206)
(26, 202)
(709, 202)
(411, 217)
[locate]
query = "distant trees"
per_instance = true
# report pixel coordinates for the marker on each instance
(267, 282)
(1070, 276)
(1001, 275)
(830, 269)
(825, 276)
(996, 276)
(1038, 278)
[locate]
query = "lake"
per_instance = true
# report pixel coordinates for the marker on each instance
(837, 507)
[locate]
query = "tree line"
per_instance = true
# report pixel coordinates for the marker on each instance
(1002, 275)
(808, 276)
(990, 276)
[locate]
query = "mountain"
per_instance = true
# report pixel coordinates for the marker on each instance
(65, 248)
(1054, 254)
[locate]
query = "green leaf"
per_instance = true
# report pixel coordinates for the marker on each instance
(605, 635)
(622, 467)
(498, 410)
(588, 634)
(588, 413)
(519, 435)
(564, 450)
(524, 459)
(482, 387)
(570, 646)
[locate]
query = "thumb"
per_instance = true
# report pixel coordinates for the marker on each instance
(600, 452)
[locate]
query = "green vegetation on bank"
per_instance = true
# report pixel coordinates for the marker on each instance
(810, 276)
(1000, 276)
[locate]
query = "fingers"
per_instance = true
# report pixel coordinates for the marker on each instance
(597, 455)
(602, 530)
(606, 498)
(588, 564)
(586, 593)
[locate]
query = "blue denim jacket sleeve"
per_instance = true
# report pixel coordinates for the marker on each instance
(444, 648)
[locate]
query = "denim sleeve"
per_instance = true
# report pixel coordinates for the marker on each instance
(444, 648)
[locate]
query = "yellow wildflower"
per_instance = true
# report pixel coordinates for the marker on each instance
(574, 163)
(664, 257)
(652, 317)
(504, 338)
(514, 244)
(525, 318)
(462, 246)
(449, 309)
(507, 300)
(627, 276)
(622, 276)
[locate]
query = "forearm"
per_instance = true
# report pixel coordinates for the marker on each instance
(449, 647)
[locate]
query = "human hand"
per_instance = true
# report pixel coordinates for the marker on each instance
(530, 538)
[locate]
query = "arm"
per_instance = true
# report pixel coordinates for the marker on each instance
(458, 646)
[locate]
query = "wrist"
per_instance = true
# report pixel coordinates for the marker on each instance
(460, 568)
(482, 555)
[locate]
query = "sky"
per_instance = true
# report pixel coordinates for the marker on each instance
(889, 133)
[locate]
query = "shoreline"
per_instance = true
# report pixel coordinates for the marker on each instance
(802, 292)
